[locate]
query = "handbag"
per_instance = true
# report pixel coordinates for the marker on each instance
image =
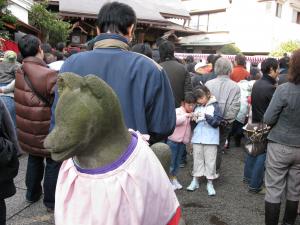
(256, 134)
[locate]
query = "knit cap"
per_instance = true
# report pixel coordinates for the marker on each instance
(10, 56)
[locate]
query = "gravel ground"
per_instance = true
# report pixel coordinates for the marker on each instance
(232, 205)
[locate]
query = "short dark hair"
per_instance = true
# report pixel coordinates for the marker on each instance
(59, 55)
(201, 91)
(254, 73)
(47, 48)
(240, 59)
(210, 58)
(60, 46)
(214, 60)
(189, 59)
(189, 97)
(159, 41)
(268, 64)
(284, 62)
(116, 17)
(294, 68)
(29, 45)
(143, 48)
(166, 51)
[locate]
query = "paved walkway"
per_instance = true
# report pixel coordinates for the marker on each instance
(232, 205)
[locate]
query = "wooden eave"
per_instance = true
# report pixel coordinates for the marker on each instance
(92, 16)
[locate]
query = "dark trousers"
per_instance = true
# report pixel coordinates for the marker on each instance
(2, 212)
(236, 132)
(34, 176)
(224, 132)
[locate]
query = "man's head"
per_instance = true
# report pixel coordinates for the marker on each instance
(47, 48)
(143, 48)
(270, 67)
(30, 45)
(284, 62)
(240, 60)
(223, 66)
(60, 46)
(117, 18)
(166, 51)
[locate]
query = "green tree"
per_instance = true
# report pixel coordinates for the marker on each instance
(53, 29)
(5, 17)
(285, 47)
(230, 49)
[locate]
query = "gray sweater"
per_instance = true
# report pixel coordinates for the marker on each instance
(283, 115)
(228, 95)
(7, 72)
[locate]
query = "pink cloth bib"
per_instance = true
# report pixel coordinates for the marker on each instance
(134, 190)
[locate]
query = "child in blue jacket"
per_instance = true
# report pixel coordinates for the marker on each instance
(205, 138)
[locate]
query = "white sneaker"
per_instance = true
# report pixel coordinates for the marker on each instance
(194, 185)
(210, 189)
(176, 184)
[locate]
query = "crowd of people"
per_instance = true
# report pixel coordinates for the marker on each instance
(185, 104)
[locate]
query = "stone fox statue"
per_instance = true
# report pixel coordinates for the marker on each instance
(110, 175)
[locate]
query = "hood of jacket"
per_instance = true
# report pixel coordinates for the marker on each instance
(211, 100)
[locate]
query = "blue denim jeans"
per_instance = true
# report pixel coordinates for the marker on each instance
(9, 102)
(254, 171)
(177, 150)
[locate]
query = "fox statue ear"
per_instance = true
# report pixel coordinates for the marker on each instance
(95, 85)
(98, 87)
(68, 80)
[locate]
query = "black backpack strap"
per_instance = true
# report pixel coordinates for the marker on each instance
(41, 97)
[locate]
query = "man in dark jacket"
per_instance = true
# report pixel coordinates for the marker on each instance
(34, 93)
(178, 75)
(261, 96)
(284, 67)
(9, 163)
(141, 85)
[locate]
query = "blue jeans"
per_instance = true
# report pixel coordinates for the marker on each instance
(9, 102)
(177, 150)
(254, 171)
(34, 177)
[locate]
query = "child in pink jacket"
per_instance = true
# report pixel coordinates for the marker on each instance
(181, 136)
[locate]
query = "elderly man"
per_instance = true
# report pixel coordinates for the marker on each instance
(227, 93)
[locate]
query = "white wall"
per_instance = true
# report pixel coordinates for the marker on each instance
(253, 25)
(20, 8)
(255, 28)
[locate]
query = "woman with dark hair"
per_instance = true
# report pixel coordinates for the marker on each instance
(283, 154)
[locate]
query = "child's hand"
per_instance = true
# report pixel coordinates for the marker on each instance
(189, 115)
